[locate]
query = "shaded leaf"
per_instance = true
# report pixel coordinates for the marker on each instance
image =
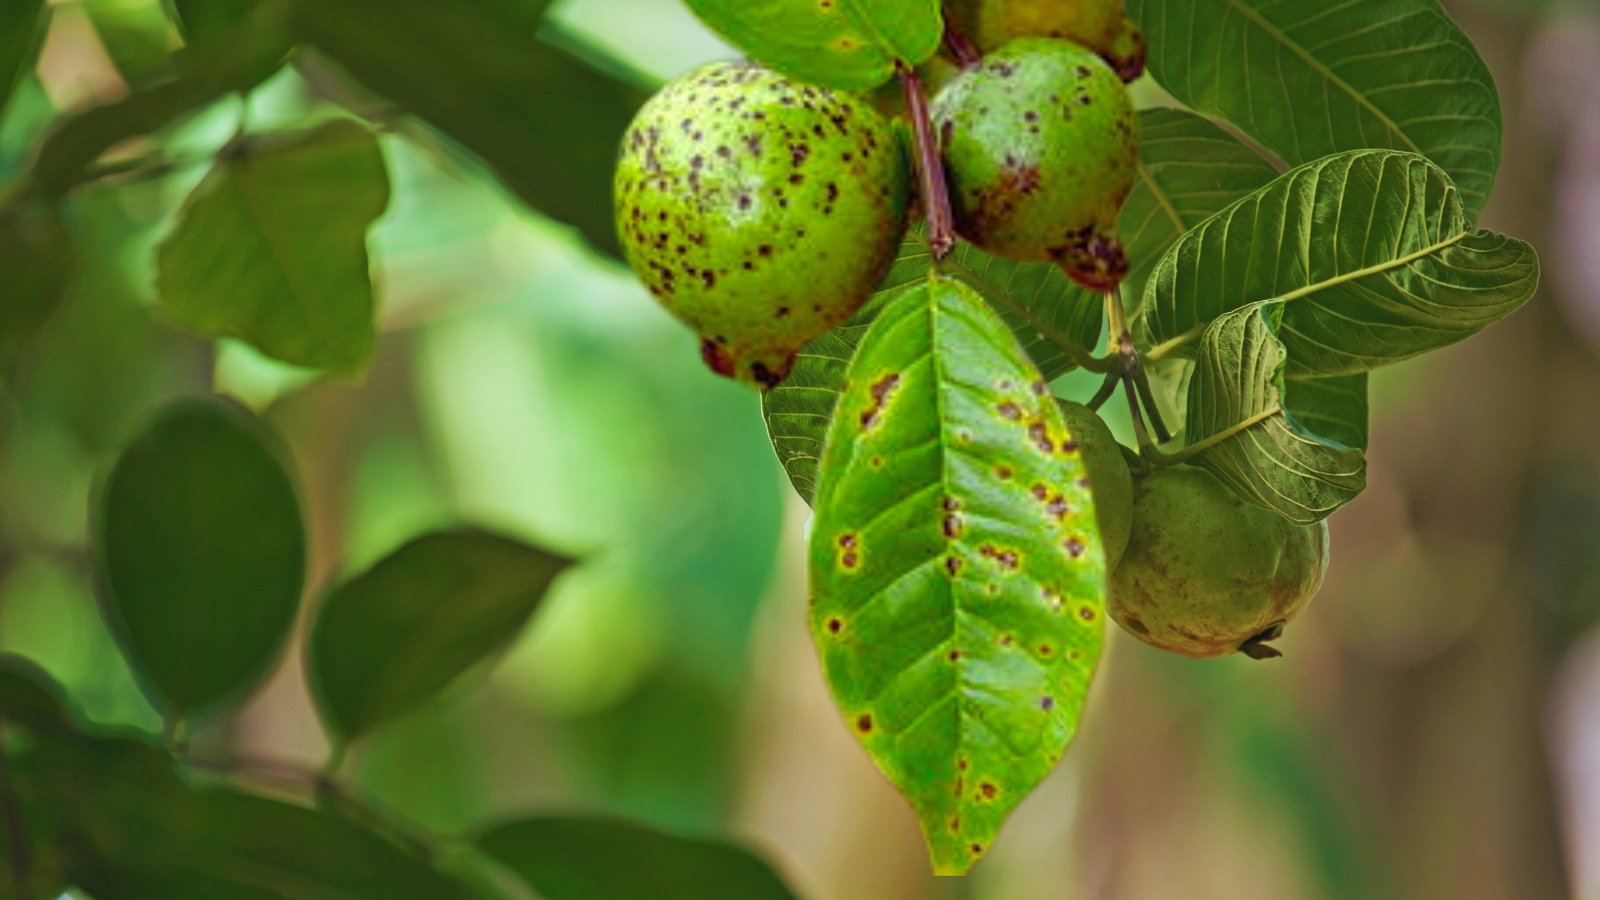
(131, 827)
(956, 571)
(239, 61)
(36, 257)
(136, 36)
(841, 44)
(1370, 251)
(20, 25)
(206, 20)
(201, 553)
(1307, 78)
(1277, 463)
(547, 123)
(1047, 312)
(29, 696)
(272, 247)
(606, 859)
(390, 639)
(1333, 407)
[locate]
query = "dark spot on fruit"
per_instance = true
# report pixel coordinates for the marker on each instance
(717, 358)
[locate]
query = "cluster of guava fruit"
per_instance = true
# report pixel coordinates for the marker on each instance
(763, 212)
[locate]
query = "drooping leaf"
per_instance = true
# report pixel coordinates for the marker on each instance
(604, 859)
(1308, 78)
(19, 38)
(546, 122)
(1046, 311)
(1188, 170)
(1335, 407)
(956, 575)
(1371, 252)
(390, 639)
(1277, 463)
(238, 61)
(201, 553)
(841, 44)
(131, 828)
(36, 257)
(272, 247)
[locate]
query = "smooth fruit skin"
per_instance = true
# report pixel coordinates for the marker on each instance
(1099, 25)
(1109, 478)
(1040, 144)
(1206, 574)
(760, 211)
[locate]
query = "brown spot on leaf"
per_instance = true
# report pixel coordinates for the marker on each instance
(882, 390)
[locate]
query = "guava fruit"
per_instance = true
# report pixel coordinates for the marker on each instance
(1040, 146)
(1109, 479)
(1099, 25)
(760, 211)
(1206, 574)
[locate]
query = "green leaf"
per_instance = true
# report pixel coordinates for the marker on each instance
(201, 553)
(1307, 79)
(546, 122)
(20, 26)
(1277, 463)
(1044, 308)
(36, 257)
(244, 58)
(272, 247)
(136, 35)
(1333, 407)
(604, 859)
(956, 573)
(1371, 252)
(207, 20)
(29, 696)
(131, 829)
(841, 44)
(1188, 170)
(392, 638)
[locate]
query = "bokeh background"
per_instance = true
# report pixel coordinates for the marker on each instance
(1434, 731)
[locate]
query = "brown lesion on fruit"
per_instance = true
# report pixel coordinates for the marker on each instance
(715, 353)
(881, 392)
(1092, 258)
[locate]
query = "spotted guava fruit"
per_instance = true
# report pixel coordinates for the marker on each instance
(760, 211)
(1109, 479)
(1099, 25)
(1207, 574)
(1040, 145)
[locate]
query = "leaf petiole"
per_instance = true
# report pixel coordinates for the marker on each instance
(930, 168)
(1195, 449)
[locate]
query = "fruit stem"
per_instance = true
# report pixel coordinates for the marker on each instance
(1141, 397)
(930, 168)
(1107, 388)
(961, 48)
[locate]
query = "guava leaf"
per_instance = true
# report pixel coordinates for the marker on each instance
(956, 574)
(393, 637)
(202, 553)
(20, 24)
(1333, 407)
(570, 858)
(272, 247)
(841, 44)
(37, 256)
(1370, 252)
(1277, 463)
(1308, 78)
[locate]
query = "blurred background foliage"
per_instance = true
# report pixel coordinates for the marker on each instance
(1434, 731)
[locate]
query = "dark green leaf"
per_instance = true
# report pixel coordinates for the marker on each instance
(392, 638)
(207, 20)
(238, 62)
(201, 552)
(1276, 463)
(956, 574)
(131, 828)
(136, 36)
(272, 247)
(1371, 252)
(842, 44)
(1335, 408)
(1046, 311)
(1307, 79)
(547, 123)
(604, 859)
(19, 40)
(29, 696)
(36, 257)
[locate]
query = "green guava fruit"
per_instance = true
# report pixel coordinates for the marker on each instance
(1109, 479)
(760, 211)
(1099, 25)
(1206, 574)
(1041, 146)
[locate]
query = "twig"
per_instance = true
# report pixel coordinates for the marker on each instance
(930, 168)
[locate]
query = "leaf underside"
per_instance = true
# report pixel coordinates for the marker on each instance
(956, 572)
(841, 44)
